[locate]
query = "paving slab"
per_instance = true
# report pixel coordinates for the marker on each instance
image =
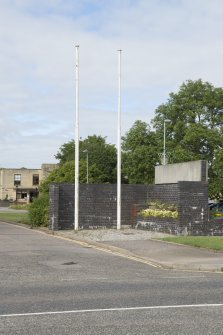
(175, 256)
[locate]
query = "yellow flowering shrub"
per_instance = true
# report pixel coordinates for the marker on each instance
(160, 210)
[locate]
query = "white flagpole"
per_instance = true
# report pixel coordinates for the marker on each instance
(76, 195)
(119, 145)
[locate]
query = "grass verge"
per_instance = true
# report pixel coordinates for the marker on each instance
(208, 242)
(20, 206)
(15, 217)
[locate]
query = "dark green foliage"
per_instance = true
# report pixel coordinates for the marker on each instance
(63, 174)
(139, 154)
(195, 128)
(101, 160)
(66, 152)
(38, 211)
(195, 132)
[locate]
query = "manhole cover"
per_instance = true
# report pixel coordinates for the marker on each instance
(69, 263)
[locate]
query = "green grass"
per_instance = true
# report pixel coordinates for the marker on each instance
(209, 242)
(15, 217)
(20, 206)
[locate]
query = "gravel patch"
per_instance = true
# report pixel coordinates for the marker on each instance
(105, 235)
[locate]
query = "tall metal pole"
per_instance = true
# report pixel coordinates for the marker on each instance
(119, 145)
(76, 195)
(164, 143)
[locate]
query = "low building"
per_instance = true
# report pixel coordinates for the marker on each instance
(22, 185)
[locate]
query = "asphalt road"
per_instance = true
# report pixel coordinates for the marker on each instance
(54, 286)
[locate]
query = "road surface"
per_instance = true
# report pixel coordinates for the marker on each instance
(55, 286)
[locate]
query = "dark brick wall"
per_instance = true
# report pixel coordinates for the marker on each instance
(164, 225)
(193, 208)
(97, 206)
(191, 199)
(54, 206)
(216, 226)
(167, 193)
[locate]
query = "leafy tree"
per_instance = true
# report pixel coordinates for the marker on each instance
(195, 127)
(66, 152)
(139, 154)
(216, 182)
(63, 174)
(102, 159)
(101, 162)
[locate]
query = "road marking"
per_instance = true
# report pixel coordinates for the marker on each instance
(113, 252)
(93, 246)
(134, 258)
(112, 310)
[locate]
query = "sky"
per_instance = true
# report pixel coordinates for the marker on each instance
(164, 43)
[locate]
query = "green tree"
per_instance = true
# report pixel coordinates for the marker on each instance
(66, 152)
(63, 174)
(216, 182)
(195, 127)
(101, 162)
(139, 154)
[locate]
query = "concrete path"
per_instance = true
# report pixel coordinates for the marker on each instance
(175, 256)
(11, 210)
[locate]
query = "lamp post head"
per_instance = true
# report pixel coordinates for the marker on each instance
(167, 120)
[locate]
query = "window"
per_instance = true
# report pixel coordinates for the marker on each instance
(35, 179)
(23, 195)
(17, 179)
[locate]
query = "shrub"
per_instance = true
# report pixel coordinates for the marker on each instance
(162, 210)
(20, 206)
(162, 206)
(159, 213)
(38, 211)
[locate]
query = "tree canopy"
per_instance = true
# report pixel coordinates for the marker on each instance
(139, 154)
(101, 162)
(194, 131)
(195, 127)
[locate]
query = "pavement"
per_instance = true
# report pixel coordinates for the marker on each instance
(141, 246)
(11, 210)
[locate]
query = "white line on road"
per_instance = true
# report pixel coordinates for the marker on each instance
(112, 310)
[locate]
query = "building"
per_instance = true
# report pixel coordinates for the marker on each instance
(22, 185)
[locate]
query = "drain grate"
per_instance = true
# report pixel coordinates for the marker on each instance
(69, 263)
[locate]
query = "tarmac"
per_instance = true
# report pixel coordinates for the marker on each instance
(142, 246)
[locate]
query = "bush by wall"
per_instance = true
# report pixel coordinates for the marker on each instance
(159, 209)
(39, 211)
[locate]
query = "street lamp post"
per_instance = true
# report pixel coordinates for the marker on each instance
(87, 165)
(164, 141)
